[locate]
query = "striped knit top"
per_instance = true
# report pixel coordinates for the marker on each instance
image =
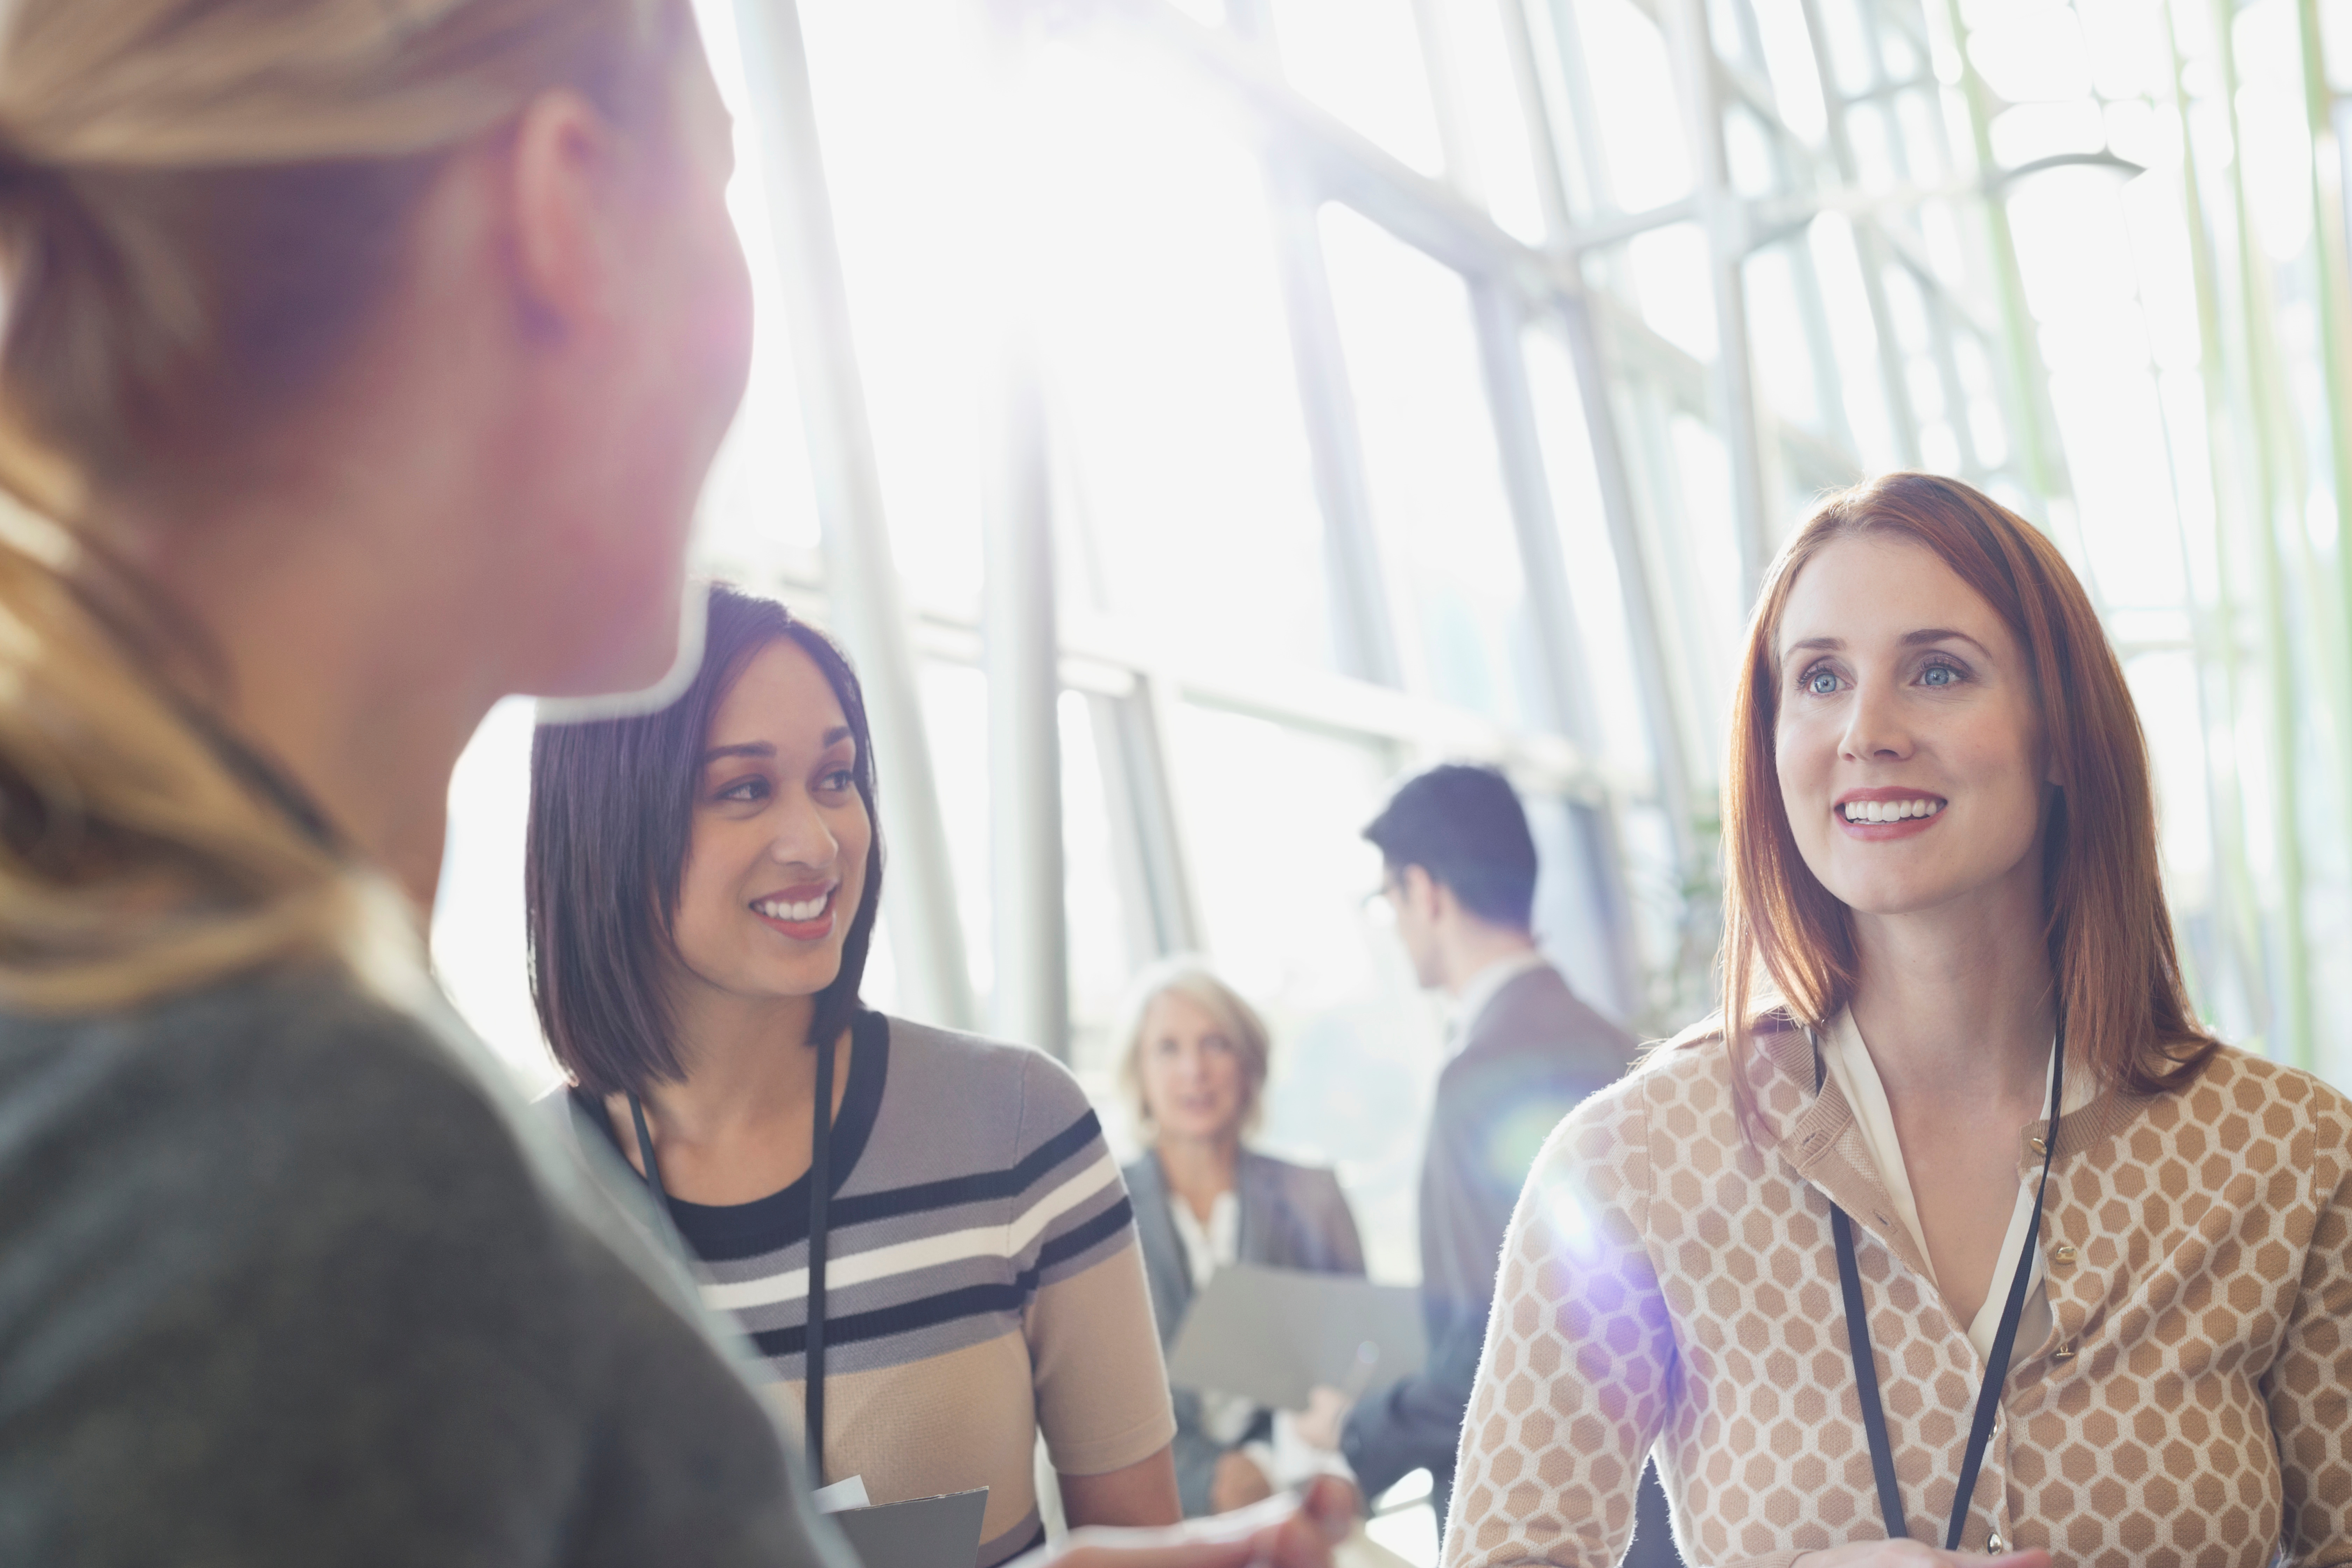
(982, 1281)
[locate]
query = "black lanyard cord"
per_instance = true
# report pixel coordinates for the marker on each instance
(820, 1197)
(820, 1180)
(1866, 1377)
(652, 1161)
(1865, 1359)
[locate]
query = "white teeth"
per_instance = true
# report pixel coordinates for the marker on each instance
(1890, 810)
(777, 910)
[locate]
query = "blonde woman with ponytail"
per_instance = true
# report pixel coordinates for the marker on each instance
(361, 362)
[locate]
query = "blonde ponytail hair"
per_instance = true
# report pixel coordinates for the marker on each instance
(199, 202)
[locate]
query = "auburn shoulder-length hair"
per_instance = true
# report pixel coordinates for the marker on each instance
(612, 818)
(1788, 941)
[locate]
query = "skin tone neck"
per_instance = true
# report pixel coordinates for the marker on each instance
(738, 1078)
(1954, 1003)
(1198, 1170)
(1473, 946)
(369, 721)
(1450, 946)
(740, 1127)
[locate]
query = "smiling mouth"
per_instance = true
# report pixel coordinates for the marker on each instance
(803, 919)
(1874, 811)
(791, 913)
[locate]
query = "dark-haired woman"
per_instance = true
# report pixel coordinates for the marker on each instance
(1953, 1232)
(703, 886)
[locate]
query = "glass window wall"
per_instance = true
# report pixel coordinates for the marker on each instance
(1429, 381)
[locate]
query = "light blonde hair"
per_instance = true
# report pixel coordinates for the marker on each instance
(200, 201)
(1235, 1019)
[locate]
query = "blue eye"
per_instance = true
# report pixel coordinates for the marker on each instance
(1821, 683)
(1938, 675)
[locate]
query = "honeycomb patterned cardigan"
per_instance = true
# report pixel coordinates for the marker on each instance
(1667, 1282)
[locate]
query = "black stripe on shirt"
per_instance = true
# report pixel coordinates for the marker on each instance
(948, 1306)
(751, 1230)
(862, 1208)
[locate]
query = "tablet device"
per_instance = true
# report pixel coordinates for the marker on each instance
(924, 1532)
(1272, 1334)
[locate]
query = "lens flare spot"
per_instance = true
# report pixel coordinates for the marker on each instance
(1573, 1232)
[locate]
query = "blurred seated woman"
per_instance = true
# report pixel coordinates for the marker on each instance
(703, 886)
(1195, 1061)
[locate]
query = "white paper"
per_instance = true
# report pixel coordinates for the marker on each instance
(850, 1493)
(1291, 1459)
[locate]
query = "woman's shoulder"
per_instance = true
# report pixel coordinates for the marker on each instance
(289, 1088)
(1677, 1103)
(260, 1128)
(977, 1061)
(1693, 1069)
(2244, 1096)
(254, 1006)
(968, 1076)
(2244, 1074)
(312, 1047)
(1276, 1165)
(1310, 1193)
(252, 1201)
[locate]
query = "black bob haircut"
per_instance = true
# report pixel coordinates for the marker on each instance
(612, 814)
(1464, 825)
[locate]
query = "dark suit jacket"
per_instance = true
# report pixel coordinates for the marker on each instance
(1532, 1054)
(1291, 1216)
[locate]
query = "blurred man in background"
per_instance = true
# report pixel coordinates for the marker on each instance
(1459, 871)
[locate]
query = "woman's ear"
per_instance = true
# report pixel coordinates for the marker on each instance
(563, 213)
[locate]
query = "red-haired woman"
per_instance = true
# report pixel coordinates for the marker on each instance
(1953, 1232)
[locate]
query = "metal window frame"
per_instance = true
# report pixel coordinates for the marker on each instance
(1630, 382)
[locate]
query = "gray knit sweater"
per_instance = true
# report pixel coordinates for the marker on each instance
(280, 1282)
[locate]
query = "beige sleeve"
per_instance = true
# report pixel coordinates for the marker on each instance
(1102, 1393)
(2310, 1383)
(1570, 1391)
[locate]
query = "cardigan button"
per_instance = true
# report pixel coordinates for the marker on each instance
(2037, 1145)
(2063, 1352)
(1994, 1545)
(2062, 1254)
